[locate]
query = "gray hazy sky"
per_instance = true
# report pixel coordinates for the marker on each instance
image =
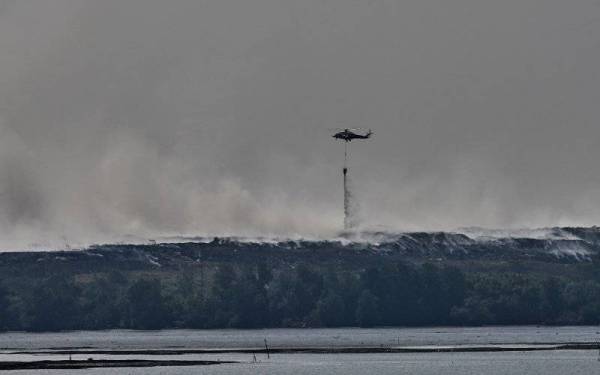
(148, 117)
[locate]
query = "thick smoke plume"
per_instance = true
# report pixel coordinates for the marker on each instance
(124, 120)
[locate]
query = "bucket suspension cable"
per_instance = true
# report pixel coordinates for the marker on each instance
(345, 158)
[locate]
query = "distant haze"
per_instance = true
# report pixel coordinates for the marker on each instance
(147, 118)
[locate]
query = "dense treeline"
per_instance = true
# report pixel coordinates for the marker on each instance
(262, 295)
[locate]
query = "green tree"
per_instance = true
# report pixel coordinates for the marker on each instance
(250, 306)
(293, 295)
(330, 310)
(367, 310)
(220, 304)
(102, 304)
(53, 305)
(4, 309)
(146, 305)
(552, 304)
(183, 297)
(434, 306)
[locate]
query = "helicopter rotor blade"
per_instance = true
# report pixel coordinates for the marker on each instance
(359, 129)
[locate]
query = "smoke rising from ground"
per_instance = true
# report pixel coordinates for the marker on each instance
(145, 118)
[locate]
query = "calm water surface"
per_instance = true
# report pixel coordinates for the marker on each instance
(299, 337)
(545, 362)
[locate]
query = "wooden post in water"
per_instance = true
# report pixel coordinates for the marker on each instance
(267, 348)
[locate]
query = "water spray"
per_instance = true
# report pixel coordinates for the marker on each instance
(347, 213)
(348, 135)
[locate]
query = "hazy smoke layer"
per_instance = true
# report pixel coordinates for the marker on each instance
(145, 118)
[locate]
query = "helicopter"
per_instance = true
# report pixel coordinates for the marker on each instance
(348, 135)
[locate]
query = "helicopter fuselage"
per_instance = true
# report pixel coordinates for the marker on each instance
(348, 135)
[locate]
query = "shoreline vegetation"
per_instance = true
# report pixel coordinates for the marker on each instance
(230, 285)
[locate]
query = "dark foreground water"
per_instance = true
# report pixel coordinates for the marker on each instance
(29, 347)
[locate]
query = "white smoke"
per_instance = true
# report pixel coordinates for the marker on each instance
(123, 120)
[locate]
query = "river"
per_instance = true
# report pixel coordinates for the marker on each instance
(238, 346)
